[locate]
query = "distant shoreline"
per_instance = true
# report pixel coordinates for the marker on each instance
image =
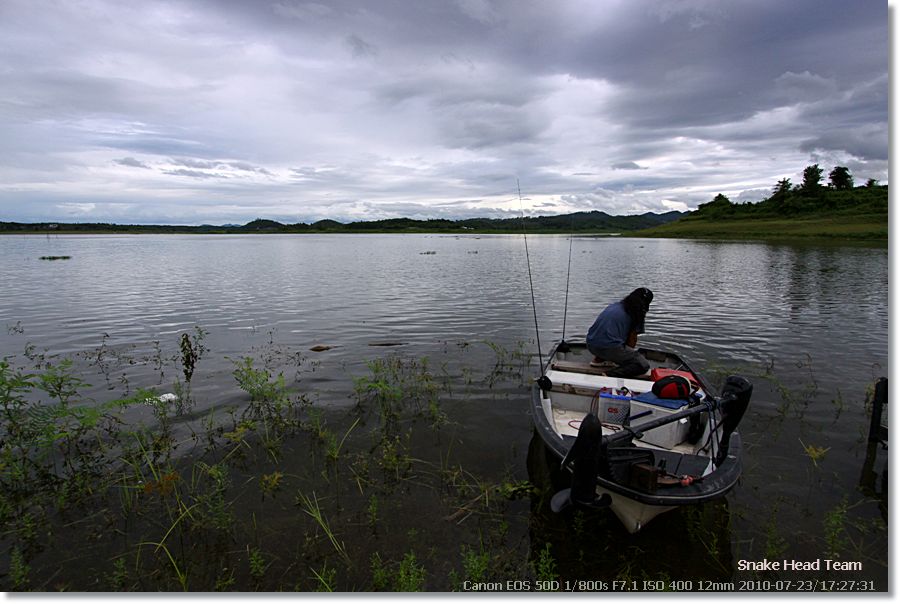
(712, 233)
(828, 215)
(593, 222)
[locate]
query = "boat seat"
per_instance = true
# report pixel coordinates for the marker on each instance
(583, 367)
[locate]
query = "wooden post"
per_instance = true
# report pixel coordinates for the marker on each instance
(877, 432)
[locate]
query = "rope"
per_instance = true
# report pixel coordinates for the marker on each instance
(537, 331)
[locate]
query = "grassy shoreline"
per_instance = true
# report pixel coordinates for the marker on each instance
(863, 228)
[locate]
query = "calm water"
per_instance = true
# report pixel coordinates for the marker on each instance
(808, 325)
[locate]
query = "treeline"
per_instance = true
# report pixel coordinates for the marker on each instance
(581, 222)
(811, 197)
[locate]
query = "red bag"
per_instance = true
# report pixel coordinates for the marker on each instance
(672, 386)
(658, 373)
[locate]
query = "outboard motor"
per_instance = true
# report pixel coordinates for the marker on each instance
(585, 456)
(734, 402)
(585, 459)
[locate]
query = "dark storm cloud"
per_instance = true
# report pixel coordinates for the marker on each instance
(350, 108)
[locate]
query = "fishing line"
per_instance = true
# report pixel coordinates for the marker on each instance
(568, 274)
(537, 331)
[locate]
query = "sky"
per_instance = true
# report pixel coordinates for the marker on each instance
(223, 111)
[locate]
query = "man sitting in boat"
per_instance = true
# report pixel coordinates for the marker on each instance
(613, 336)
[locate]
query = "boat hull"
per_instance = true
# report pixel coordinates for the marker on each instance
(634, 506)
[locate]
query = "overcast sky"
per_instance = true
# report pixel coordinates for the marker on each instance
(214, 111)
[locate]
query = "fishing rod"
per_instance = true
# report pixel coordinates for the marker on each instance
(537, 331)
(563, 347)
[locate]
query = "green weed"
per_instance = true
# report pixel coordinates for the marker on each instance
(372, 511)
(18, 570)
(118, 578)
(310, 505)
(269, 484)
(257, 564)
(411, 576)
(545, 567)
(326, 580)
(381, 575)
(835, 530)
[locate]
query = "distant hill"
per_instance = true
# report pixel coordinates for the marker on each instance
(261, 226)
(579, 222)
(325, 225)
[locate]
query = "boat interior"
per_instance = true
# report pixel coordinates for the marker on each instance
(579, 388)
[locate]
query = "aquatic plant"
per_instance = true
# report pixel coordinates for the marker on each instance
(508, 364)
(411, 576)
(545, 567)
(119, 576)
(516, 490)
(258, 383)
(333, 448)
(257, 563)
(381, 576)
(408, 575)
(326, 579)
(816, 454)
(775, 545)
(270, 483)
(310, 505)
(475, 567)
(372, 512)
(18, 570)
(59, 383)
(835, 530)
(395, 384)
(209, 484)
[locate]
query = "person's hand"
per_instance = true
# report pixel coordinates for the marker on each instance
(631, 342)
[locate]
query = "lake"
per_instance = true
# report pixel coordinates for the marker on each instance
(807, 324)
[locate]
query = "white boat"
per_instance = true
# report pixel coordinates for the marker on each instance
(637, 453)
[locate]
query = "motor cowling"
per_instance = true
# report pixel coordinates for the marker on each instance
(733, 403)
(585, 456)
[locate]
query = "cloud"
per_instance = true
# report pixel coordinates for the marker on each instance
(626, 165)
(869, 143)
(225, 110)
(359, 48)
(132, 163)
(804, 87)
(479, 10)
(192, 173)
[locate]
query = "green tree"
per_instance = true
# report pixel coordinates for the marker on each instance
(719, 206)
(840, 178)
(783, 187)
(871, 183)
(812, 178)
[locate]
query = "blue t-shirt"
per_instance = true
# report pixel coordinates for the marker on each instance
(611, 328)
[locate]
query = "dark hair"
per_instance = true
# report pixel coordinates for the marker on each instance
(637, 303)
